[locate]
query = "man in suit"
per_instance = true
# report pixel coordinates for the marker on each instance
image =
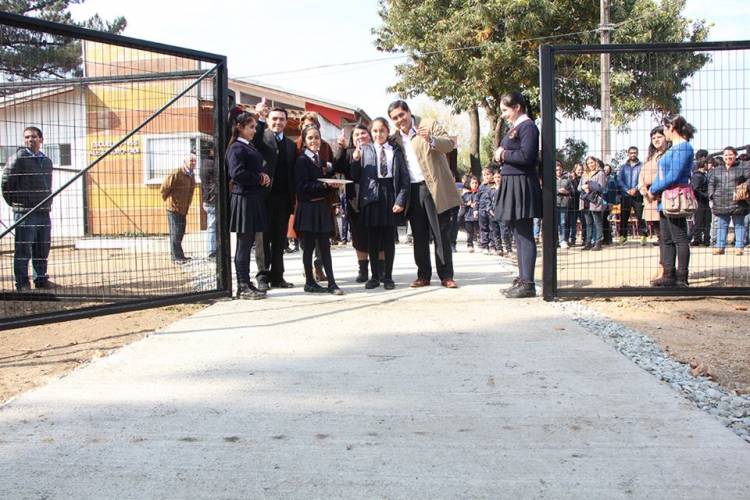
(279, 154)
(433, 191)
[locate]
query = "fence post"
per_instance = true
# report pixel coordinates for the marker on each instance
(549, 183)
(223, 243)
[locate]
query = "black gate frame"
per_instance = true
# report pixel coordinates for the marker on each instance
(547, 55)
(224, 268)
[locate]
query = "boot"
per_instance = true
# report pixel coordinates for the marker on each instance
(362, 274)
(667, 279)
(681, 280)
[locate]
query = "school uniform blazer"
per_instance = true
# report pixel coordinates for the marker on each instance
(244, 166)
(306, 175)
(434, 163)
(265, 142)
(365, 173)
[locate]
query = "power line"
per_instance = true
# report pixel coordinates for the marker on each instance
(457, 49)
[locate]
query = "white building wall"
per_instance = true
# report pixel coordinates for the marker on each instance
(62, 119)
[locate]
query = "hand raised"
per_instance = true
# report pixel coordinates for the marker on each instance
(424, 133)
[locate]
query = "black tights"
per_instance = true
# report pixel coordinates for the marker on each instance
(381, 238)
(242, 257)
(309, 242)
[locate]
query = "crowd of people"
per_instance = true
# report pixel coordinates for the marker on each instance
(587, 195)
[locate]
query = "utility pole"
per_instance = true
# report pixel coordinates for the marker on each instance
(604, 29)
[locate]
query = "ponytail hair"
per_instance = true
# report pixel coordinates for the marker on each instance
(239, 120)
(679, 124)
(514, 99)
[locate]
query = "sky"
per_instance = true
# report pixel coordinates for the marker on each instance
(262, 37)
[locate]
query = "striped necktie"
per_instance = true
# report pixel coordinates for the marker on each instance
(383, 163)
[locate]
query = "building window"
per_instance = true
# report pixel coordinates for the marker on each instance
(163, 153)
(66, 158)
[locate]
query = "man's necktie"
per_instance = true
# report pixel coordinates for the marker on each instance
(383, 163)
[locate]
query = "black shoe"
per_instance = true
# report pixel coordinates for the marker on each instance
(372, 284)
(334, 290)
(247, 291)
(389, 284)
(516, 283)
(597, 247)
(526, 290)
(46, 285)
(361, 277)
(667, 280)
(281, 284)
(587, 246)
(263, 285)
(315, 288)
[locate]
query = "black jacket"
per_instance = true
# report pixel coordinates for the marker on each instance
(367, 178)
(244, 166)
(721, 186)
(521, 145)
(699, 181)
(306, 175)
(265, 142)
(27, 181)
(208, 181)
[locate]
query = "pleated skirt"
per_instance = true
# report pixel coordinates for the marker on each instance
(380, 213)
(247, 214)
(520, 197)
(313, 217)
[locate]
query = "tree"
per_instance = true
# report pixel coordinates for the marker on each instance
(469, 53)
(572, 153)
(32, 55)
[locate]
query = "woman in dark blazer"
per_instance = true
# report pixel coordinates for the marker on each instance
(312, 218)
(383, 177)
(247, 210)
(519, 199)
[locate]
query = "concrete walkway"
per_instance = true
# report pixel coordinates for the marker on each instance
(429, 393)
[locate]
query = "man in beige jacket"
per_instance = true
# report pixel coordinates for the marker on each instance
(433, 191)
(177, 193)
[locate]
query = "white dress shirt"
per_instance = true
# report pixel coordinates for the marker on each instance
(412, 162)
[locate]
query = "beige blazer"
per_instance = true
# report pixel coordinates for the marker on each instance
(434, 164)
(645, 179)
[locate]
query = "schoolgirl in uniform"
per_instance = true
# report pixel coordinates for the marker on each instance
(313, 218)
(470, 201)
(519, 199)
(247, 210)
(383, 177)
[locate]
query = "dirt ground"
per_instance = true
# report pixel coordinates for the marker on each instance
(711, 334)
(31, 356)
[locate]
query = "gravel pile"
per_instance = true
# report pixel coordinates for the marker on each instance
(731, 409)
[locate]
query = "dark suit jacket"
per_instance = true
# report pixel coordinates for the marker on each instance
(265, 142)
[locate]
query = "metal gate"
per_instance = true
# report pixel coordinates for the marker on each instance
(117, 117)
(707, 83)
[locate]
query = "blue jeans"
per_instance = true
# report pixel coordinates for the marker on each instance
(537, 227)
(723, 229)
(177, 225)
(210, 228)
(562, 224)
(33, 238)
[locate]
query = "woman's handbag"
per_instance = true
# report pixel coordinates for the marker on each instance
(740, 192)
(679, 201)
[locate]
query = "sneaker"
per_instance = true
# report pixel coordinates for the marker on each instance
(563, 244)
(717, 251)
(524, 291)
(23, 287)
(644, 240)
(471, 249)
(738, 251)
